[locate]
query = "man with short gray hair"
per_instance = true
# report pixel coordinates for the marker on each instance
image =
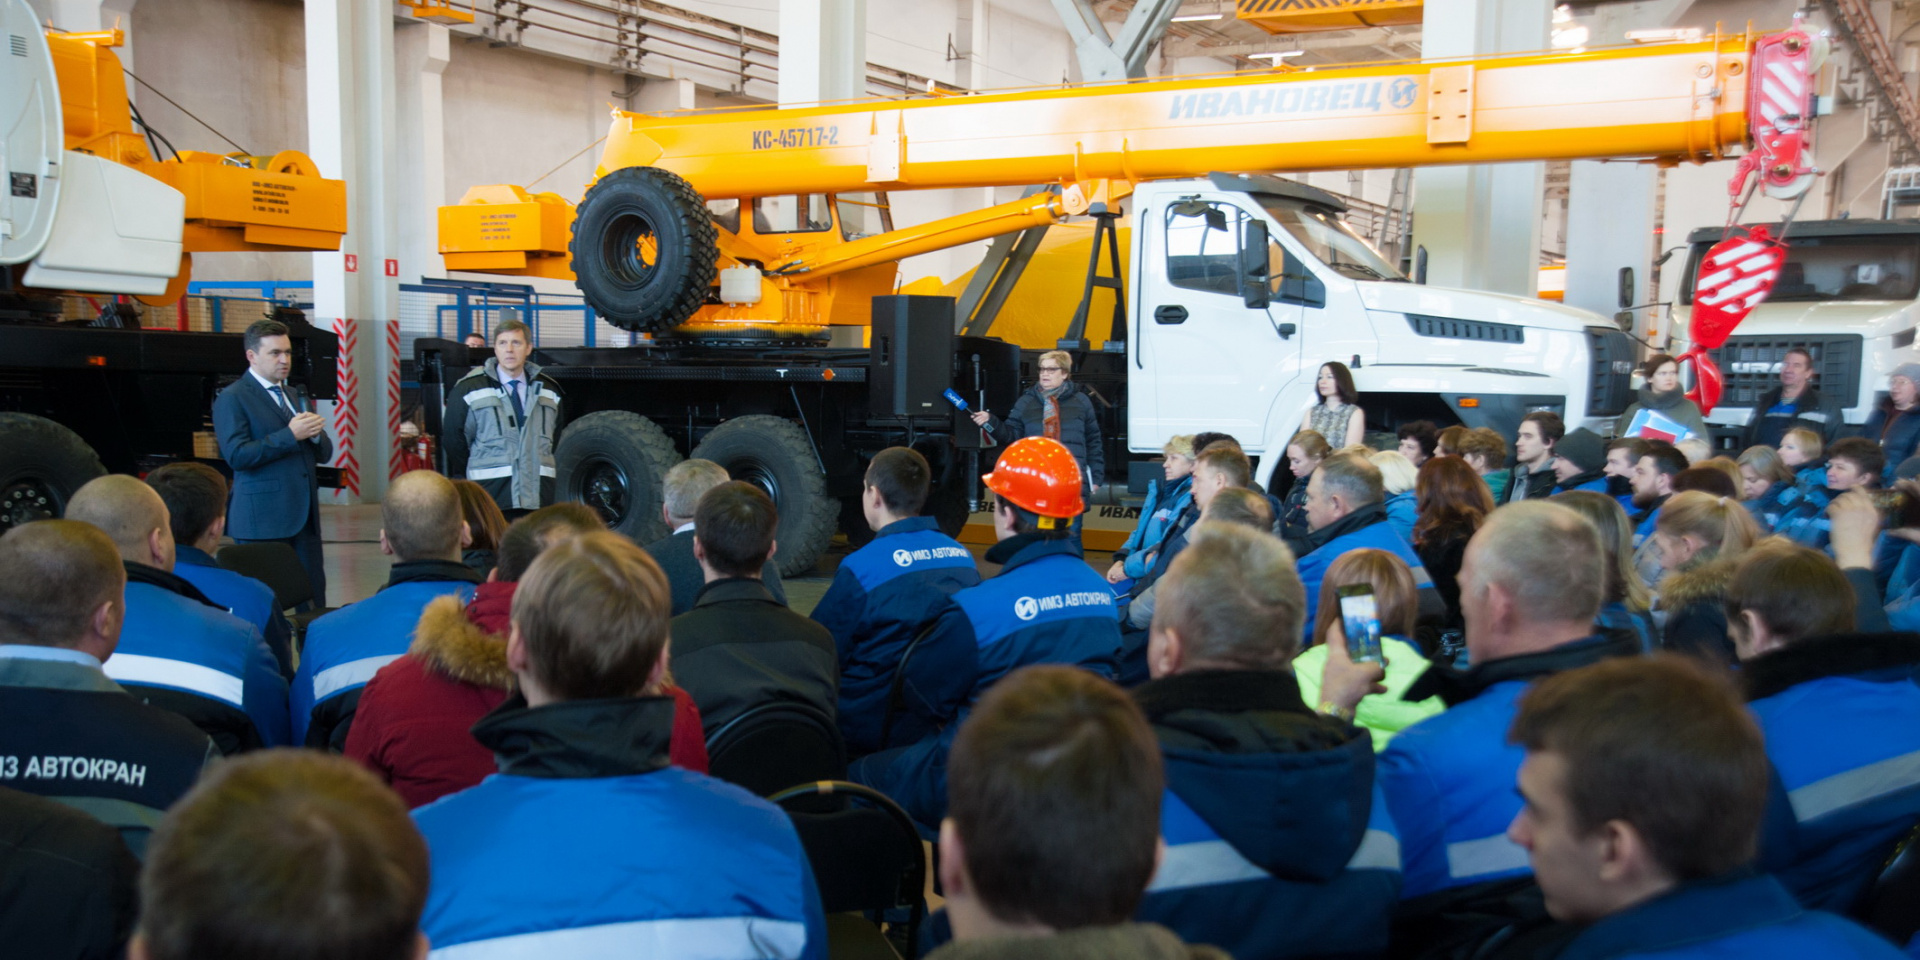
(1314, 872)
(1344, 512)
(682, 487)
(1529, 588)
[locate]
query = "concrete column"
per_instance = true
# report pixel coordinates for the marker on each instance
(351, 132)
(1481, 224)
(421, 54)
(1609, 226)
(663, 96)
(823, 50)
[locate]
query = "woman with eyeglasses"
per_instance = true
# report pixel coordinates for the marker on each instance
(1055, 408)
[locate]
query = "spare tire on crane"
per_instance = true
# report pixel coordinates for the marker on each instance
(645, 249)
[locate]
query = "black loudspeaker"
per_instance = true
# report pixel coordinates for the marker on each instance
(912, 356)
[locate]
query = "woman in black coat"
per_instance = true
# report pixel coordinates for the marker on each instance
(1055, 407)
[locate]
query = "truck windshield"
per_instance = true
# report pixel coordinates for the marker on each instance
(1836, 268)
(1327, 238)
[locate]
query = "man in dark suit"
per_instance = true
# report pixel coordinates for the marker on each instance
(274, 441)
(684, 485)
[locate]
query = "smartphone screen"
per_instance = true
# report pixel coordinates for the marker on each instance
(1360, 618)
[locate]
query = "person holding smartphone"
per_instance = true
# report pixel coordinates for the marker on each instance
(1376, 587)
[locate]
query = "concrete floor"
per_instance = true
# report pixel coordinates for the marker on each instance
(356, 568)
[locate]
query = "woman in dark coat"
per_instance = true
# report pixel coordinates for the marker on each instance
(1055, 408)
(1895, 421)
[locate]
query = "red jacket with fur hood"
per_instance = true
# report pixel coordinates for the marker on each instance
(412, 727)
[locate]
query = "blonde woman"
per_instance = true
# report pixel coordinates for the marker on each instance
(1700, 538)
(1166, 500)
(1626, 604)
(1765, 481)
(1397, 476)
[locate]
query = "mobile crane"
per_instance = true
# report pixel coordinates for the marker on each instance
(1250, 282)
(91, 207)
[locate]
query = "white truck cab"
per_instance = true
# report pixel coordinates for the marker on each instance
(1242, 286)
(1846, 293)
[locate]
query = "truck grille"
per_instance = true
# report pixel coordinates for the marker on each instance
(1610, 380)
(1751, 366)
(1451, 329)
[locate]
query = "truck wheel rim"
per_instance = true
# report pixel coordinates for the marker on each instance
(604, 487)
(759, 474)
(624, 254)
(25, 501)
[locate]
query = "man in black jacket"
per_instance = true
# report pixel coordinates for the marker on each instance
(684, 485)
(739, 647)
(1796, 402)
(66, 882)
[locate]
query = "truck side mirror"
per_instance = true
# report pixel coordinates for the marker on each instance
(1626, 288)
(1420, 264)
(1253, 272)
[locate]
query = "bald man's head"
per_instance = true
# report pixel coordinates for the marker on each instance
(420, 519)
(61, 585)
(131, 514)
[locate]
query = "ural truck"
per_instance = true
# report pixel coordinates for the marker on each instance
(1846, 293)
(736, 239)
(91, 206)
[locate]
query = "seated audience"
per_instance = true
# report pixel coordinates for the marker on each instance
(1625, 602)
(1238, 505)
(66, 882)
(1701, 538)
(1645, 786)
(485, 526)
(684, 485)
(1453, 501)
(1304, 454)
(1804, 453)
(1219, 466)
(1535, 446)
(1045, 606)
(1397, 604)
(411, 728)
(1343, 507)
(1486, 452)
(1529, 590)
(196, 499)
(1652, 486)
(421, 527)
(1447, 441)
(1167, 498)
(888, 591)
(1580, 462)
(739, 648)
(1397, 478)
(587, 843)
(1841, 715)
(178, 650)
(1853, 463)
(1707, 479)
(287, 854)
(1764, 477)
(1314, 871)
(1055, 831)
(1418, 441)
(1622, 455)
(67, 733)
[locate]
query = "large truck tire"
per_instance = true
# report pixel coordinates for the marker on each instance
(41, 465)
(775, 455)
(645, 249)
(616, 462)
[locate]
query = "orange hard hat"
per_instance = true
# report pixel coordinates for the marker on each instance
(1040, 476)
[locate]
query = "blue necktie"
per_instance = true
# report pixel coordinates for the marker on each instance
(281, 396)
(513, 393)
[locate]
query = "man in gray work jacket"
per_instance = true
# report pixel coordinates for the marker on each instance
(501, 422)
